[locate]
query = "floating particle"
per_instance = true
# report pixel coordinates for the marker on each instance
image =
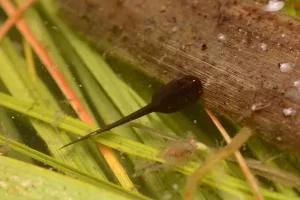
(221, 37)
(273, 5)
(264, 46)
(175, 186)
(203, 46)
(179, 152)
(278, 138)
(286, 67)
(289, 112)
(195, 121)
(297, 84)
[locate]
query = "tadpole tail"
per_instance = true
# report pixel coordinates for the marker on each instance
(79, 139)
(137, 114)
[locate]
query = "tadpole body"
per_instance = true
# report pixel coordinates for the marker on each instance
(170, 98)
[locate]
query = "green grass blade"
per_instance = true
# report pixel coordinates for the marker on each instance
(24, 181)
(229, 184)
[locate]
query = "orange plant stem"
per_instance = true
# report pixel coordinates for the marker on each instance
(111, 159)
(249, 176)
(14, 18)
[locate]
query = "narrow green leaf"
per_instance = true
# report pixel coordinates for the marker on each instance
(20, 180)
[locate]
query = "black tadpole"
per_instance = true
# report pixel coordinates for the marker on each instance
(170, 98)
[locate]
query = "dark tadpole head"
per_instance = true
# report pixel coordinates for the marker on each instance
(177, 94)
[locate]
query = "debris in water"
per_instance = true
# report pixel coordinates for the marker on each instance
(176, 153)
(175, 186)
(289, 112)
(297, 84)
(221, 37)
(259, 106)
(179, 152)
(273, 5)
(264, 46)
(286, 67)
(203, 46)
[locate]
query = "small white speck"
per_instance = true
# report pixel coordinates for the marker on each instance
(283, 35)
(297, 84)
(195, 121)
(264, 46)
(289, 112)
(175, 186)
(12, 117)
(55, 27)
(279, 138)
(221, 37)
(149, 86)
(286, 67)
(3, 184)
(80, 85)
(273, 5)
